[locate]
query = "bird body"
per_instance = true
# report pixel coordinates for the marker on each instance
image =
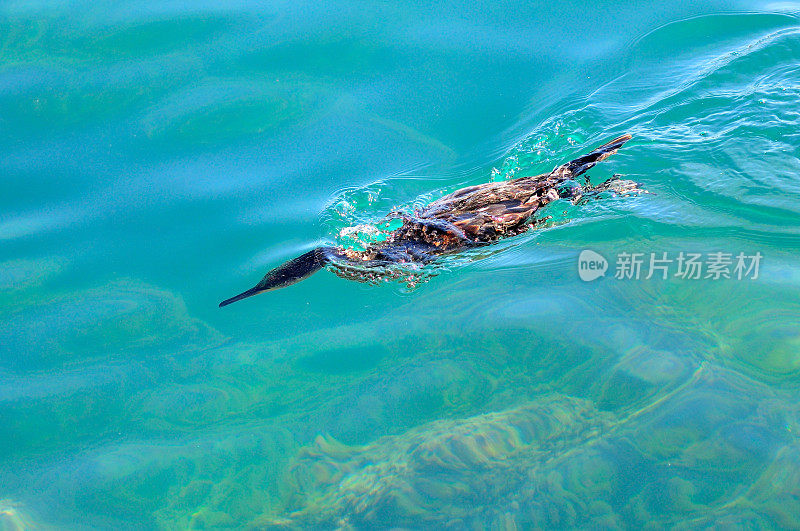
(469, 217)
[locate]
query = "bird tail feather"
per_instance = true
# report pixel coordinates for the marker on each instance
(583, 163)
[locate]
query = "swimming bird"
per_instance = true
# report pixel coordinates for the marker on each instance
(469, 217)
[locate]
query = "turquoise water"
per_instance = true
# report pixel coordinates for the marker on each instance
(158, 157)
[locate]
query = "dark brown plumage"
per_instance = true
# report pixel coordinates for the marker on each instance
(472, 216)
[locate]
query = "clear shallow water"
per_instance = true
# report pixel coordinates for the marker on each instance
(160, 157)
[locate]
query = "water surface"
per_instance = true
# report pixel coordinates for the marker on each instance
(159, 157)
